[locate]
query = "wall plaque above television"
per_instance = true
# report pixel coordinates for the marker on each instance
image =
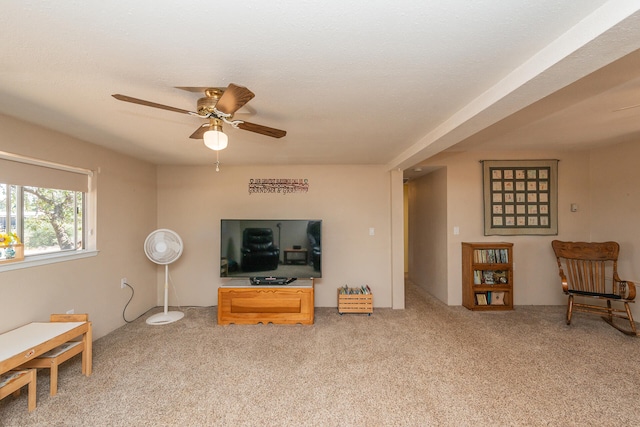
(271, 248)
(278, 185)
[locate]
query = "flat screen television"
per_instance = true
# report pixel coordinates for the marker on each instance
(284, 248)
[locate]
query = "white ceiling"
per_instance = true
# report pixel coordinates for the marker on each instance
(358, 82)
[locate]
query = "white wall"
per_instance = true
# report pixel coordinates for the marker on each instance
(428, 233)
(348, 199)
(133, 201)
(135, 197)
(535, 271)
(126, 214)
(615, 197)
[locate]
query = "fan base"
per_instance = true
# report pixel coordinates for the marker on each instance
(164, 318)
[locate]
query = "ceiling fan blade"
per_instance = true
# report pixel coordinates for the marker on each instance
(150, 104)
(199, 133)
(628, 107)
(264, 130)
(233, 98)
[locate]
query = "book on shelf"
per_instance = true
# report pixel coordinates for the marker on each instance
(491, 256)
(490, 298)
(481, 299)
(477, 277)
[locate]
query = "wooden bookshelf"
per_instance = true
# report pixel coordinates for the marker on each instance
(487, 276)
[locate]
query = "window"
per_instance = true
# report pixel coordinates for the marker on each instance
(45, 219)
(49, 206)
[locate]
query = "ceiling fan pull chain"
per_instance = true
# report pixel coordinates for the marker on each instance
(217, 161)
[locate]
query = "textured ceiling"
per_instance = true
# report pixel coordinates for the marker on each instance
(359, 82)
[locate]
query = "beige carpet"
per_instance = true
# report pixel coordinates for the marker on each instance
(427, 365)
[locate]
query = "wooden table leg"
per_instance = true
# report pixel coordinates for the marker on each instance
(87, 353)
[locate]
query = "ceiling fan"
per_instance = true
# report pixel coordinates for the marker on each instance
(218, 105)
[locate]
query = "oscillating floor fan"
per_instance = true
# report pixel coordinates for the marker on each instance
(163, 247)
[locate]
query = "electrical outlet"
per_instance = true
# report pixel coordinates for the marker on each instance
(70, 311)
(123, 282)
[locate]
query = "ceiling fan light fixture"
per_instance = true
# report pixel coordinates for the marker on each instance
(216, 140)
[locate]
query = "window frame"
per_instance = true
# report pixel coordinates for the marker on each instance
(89, 217)
(15, 195)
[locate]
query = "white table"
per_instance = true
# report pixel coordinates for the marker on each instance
(30, 341)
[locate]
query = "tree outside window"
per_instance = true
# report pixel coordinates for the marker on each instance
(46, 220)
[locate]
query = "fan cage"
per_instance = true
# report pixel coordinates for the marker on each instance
(163, 246)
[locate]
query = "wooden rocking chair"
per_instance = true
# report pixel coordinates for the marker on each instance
(591, 270)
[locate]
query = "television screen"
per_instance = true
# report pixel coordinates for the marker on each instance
(271, 248)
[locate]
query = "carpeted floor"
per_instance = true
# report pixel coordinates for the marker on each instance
(426, 365)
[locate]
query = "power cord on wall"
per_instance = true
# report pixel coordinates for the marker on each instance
(131, 297)
(127, 304)
(133, 293)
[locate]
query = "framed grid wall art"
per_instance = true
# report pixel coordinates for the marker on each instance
(520, 197)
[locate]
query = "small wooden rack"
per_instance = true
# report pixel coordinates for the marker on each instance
(355, 303)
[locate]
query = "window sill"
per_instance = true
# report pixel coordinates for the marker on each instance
(36, 260)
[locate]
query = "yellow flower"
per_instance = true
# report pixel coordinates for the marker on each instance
(7, 239)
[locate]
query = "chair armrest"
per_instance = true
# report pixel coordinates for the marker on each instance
(565, 283)
(631, 290)
(631, 287)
